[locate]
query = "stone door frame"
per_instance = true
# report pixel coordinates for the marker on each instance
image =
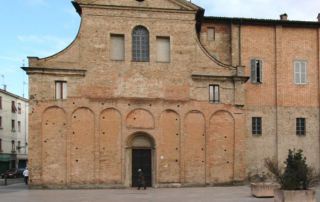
(131, 144)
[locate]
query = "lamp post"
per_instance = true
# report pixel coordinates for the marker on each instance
(2, 76)
(24, 83)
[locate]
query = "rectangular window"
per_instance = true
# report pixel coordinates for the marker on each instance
(300, 72)
(61, 90)
(19, 108)
(13, 107)
(19, 146)
(13, 127)
(0, 145)
(211, 34)
(256, 71)
(214, 93)
(0, 122)
(163, 49)
(256, 126)
(301, 126)
(13, 146)
(117, 47)
(19, 126)
(0, 102)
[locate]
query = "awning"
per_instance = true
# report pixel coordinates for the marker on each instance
(7, 157)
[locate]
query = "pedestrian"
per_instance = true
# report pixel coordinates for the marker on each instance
(26, 175)
(141, 180)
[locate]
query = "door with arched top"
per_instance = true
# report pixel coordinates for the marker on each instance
(142, 152)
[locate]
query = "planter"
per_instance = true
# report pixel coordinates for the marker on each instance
(263, 190)
(294, 196)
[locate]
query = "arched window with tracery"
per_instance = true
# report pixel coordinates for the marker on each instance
(140, 44)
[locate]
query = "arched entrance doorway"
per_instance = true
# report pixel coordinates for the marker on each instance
(142, 152)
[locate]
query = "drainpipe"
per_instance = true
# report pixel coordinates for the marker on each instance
(25, 128)
(277, 58)
(239, 43)
(318, 51)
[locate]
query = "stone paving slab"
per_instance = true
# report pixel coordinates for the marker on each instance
(19, 193)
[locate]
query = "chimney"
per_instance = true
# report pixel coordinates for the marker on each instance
(284, 17)
(319, 17)
(5, 87)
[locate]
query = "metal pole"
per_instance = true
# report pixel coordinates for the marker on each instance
(3, 84)
(5, 180)
(25, 128)
(24, 83)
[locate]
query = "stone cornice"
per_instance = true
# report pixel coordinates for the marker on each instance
(207, 76)
(113, 7)
(55, 71)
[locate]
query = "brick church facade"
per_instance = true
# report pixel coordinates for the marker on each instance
(189, 99)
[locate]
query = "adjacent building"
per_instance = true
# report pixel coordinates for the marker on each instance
(189, 99)
(13, 131)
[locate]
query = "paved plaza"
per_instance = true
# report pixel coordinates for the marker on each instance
(20, 193)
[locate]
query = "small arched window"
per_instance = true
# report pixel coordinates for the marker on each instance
(140, 44)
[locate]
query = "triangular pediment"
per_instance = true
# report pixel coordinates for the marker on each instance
(153, 4)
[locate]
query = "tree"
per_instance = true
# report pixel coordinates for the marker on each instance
(297, 175)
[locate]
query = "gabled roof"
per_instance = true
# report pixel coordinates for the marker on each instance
(13, 95)
(152, 4)
(187, 4)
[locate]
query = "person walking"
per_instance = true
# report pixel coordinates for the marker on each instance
(26, 175)
(141, 180)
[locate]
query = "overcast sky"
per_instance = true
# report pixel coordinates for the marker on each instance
(44, 27)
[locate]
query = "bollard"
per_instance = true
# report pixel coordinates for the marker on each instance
(5, 180)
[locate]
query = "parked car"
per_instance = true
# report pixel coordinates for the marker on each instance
(12, 173)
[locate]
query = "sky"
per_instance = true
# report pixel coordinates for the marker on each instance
(44, 27)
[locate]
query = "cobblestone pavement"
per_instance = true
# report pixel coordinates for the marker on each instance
(20, 193)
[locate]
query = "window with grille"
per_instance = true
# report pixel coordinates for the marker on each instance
(140, 44)
(214, 93)
(61, 90)
(300, 72)
(256, 126)
(256, 71)
(301, 126)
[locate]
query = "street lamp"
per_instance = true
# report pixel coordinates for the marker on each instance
(24, 83)
(2, 76)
